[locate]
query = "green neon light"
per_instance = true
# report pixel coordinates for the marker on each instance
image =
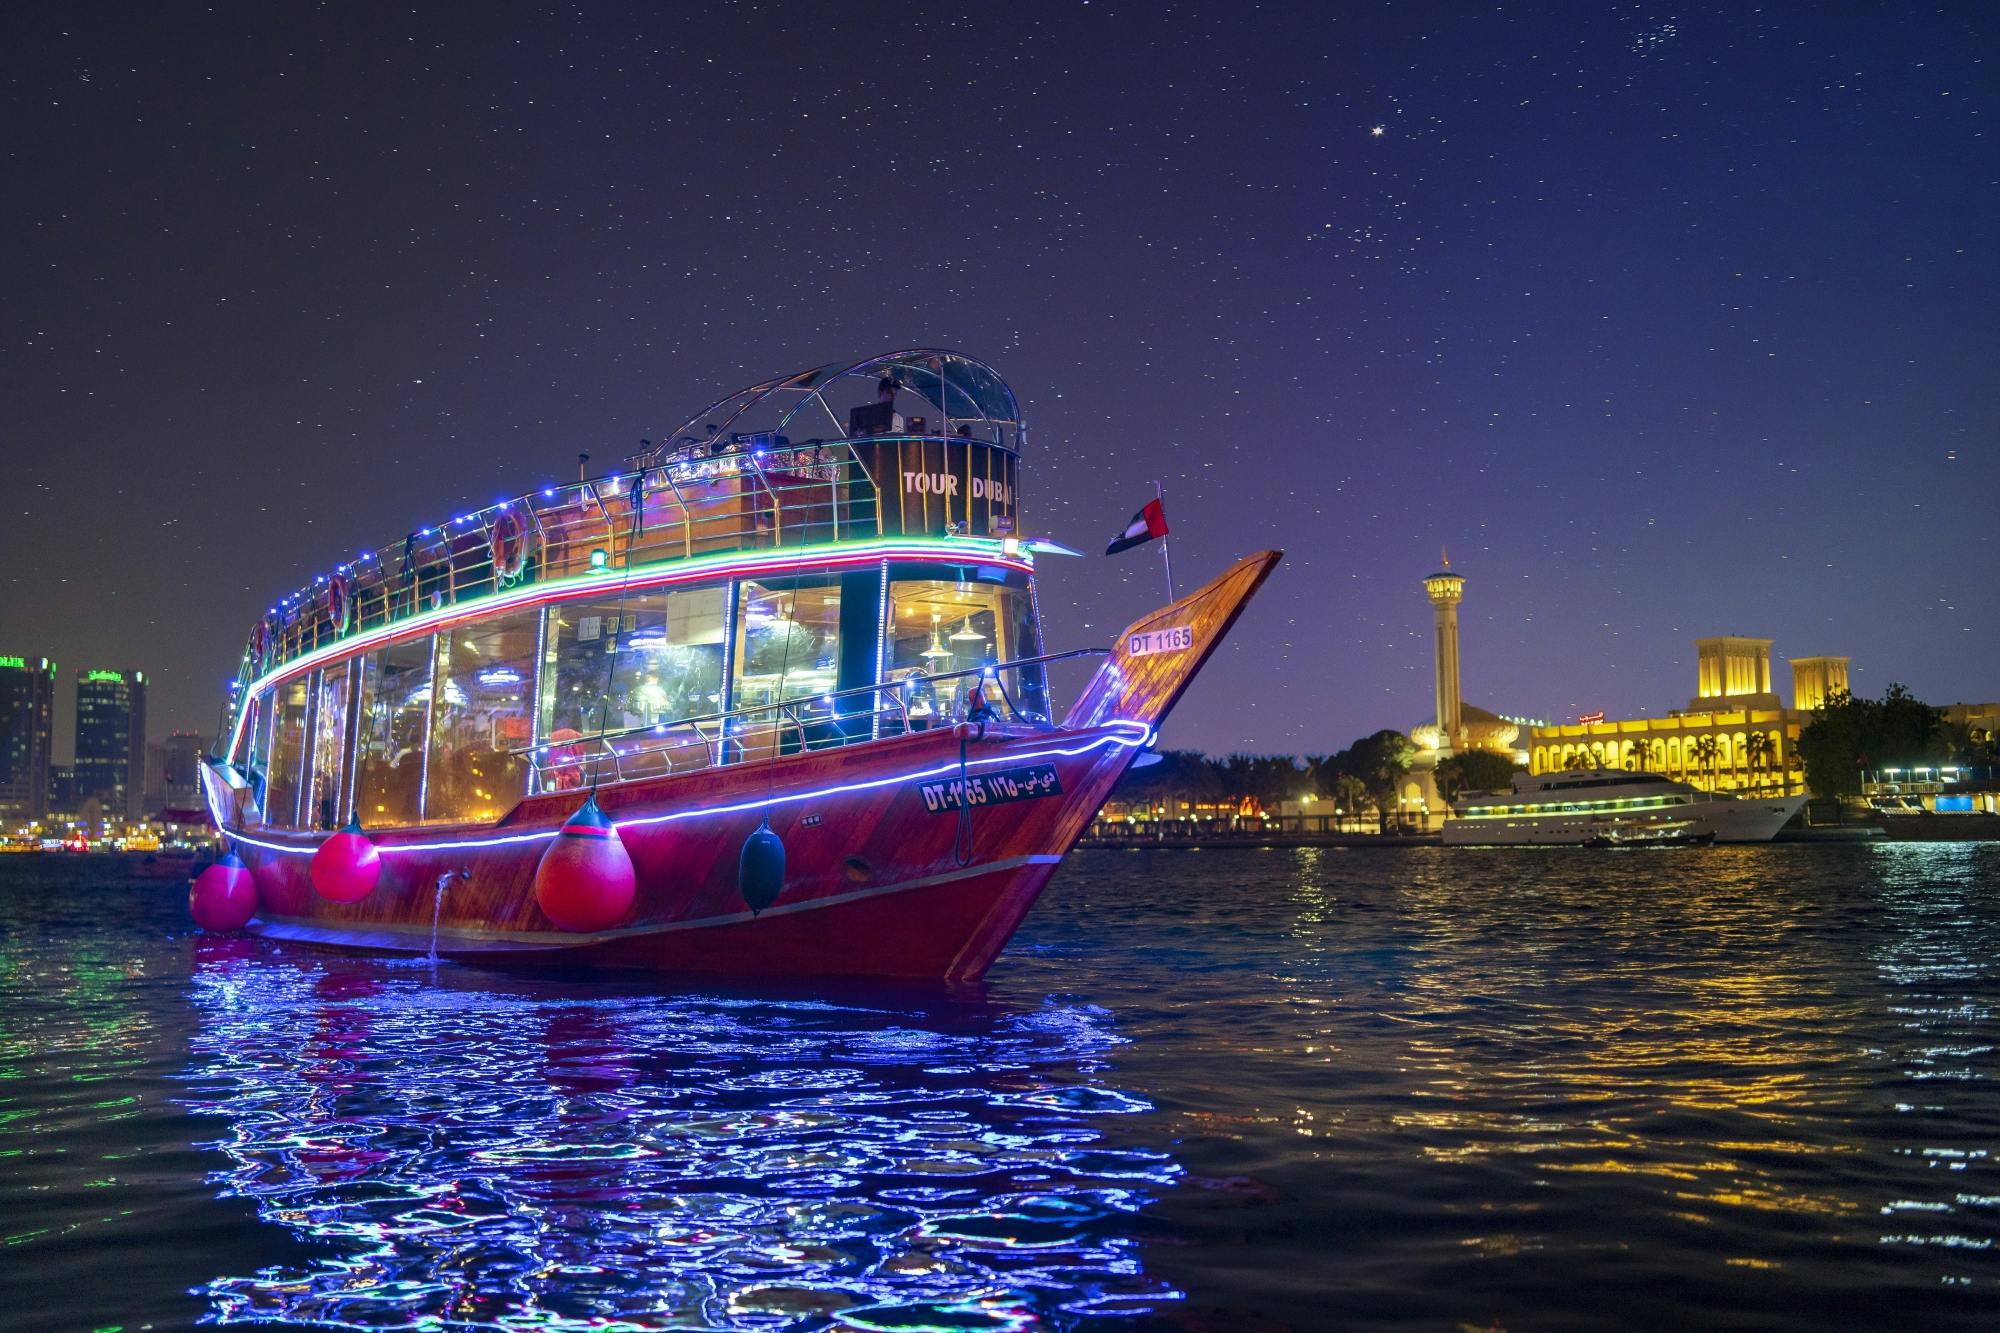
(117, 676)
(17, 663)
(960, 549)
(1603, 805)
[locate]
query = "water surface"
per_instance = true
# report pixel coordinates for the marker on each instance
(1242, 1090)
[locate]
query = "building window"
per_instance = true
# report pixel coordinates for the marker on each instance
(395, 710)
(481, 710)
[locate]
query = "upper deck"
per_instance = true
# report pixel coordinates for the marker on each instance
(739, 477)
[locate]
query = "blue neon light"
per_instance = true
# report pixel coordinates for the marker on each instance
(1134, 735)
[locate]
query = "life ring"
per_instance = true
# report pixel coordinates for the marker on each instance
(339, 603)
(508, 545)
(260, 645)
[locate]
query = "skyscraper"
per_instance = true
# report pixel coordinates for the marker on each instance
(173, 772)
(111, 741)
(27, 718)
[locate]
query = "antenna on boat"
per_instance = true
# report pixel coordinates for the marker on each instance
(1160, 494)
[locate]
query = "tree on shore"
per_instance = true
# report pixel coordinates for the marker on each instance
(1349, 794)
(1378, 762)
(1758, 747)
(1849, 736)
(1475, 770)
(1181, 777)
(1707, 750)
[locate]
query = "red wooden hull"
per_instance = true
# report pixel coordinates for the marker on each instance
(884, 879)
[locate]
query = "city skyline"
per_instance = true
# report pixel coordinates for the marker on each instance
(1667, 328)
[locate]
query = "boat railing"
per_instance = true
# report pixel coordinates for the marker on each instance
(722, 497)
(910, 703)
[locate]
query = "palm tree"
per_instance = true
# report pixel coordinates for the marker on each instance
(1349, 794)
(1758, 748)
(1706, 752)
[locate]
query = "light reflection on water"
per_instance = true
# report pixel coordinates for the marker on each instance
(1274, 1089)
(488, 1154)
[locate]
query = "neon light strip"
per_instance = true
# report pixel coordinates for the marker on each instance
(544, 685)
(1602, 805)
(882, 644)
(430, 715)
(1134, 735)
(360, 679)
(826, 556)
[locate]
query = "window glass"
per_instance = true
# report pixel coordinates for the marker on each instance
(395, 707)
(329, 745)
(787, 648)
(950, 624)
(615, 666)
(247, 754)
(287, 751)
(480, 717)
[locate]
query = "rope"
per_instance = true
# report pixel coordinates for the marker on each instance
(961, 846)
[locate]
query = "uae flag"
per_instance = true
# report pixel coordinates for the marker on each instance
(1146, 525)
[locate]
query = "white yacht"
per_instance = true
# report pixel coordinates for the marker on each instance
(1604, 805)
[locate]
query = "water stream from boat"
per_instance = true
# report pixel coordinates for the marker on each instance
(437, 911)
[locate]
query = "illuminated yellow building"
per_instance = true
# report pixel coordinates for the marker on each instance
(1815, 679)
(1735, 734)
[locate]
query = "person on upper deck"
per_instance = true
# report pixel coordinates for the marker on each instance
(879, 417)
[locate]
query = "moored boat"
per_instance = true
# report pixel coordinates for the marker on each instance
(1578, 806)
(757, 705)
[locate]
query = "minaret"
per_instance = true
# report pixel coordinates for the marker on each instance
(1445, 589)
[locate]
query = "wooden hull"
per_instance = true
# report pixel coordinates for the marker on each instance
(885, 877)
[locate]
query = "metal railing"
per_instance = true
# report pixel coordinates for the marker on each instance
(792, 726)
(708, 499)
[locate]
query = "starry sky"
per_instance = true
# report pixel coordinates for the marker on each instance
(1666, 323)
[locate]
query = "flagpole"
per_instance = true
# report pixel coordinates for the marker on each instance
(1166, 558)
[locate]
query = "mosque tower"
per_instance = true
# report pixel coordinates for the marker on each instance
(1445, 589)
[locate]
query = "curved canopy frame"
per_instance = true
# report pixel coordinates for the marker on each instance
(965, 393)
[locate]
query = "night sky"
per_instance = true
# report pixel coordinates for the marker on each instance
(1666, 323)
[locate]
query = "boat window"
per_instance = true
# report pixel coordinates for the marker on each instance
(956, 623)
(787, 647)
(613, 666)
(329, 745)
(287, 753)
(395, 709)
(480, 719)
(246, 756)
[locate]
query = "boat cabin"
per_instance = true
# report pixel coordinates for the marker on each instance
(823, 559)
